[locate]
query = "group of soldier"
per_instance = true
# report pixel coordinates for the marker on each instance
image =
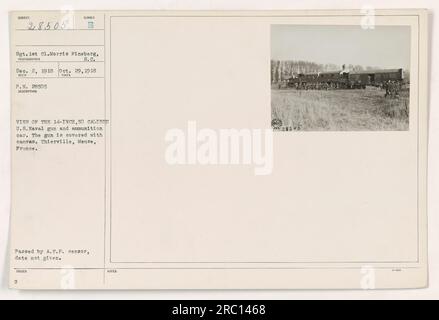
(392, 88)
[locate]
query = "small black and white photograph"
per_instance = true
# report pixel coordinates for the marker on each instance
(340, 78)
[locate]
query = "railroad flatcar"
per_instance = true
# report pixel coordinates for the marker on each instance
(377, 77)
(345, 80)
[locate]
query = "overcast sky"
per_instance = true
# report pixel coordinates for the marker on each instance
(384, 47)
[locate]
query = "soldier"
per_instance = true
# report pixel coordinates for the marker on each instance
(386, 86)
(396, 88)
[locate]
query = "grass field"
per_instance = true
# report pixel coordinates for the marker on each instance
(340, 110)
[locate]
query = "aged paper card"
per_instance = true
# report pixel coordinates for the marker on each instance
(219, 150)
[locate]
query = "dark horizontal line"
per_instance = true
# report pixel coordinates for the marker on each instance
(268, 262)
(59, 45)
(259, 16)
(218, 268)
(59, 61)
(60, 78)
(252, 11)
(60, 30)
(76, 268)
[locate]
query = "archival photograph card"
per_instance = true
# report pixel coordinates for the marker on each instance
(219, 149)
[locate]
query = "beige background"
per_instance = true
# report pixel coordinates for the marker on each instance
(336, 202)
(332, 197)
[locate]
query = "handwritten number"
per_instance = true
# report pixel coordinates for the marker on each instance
(48, 25)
